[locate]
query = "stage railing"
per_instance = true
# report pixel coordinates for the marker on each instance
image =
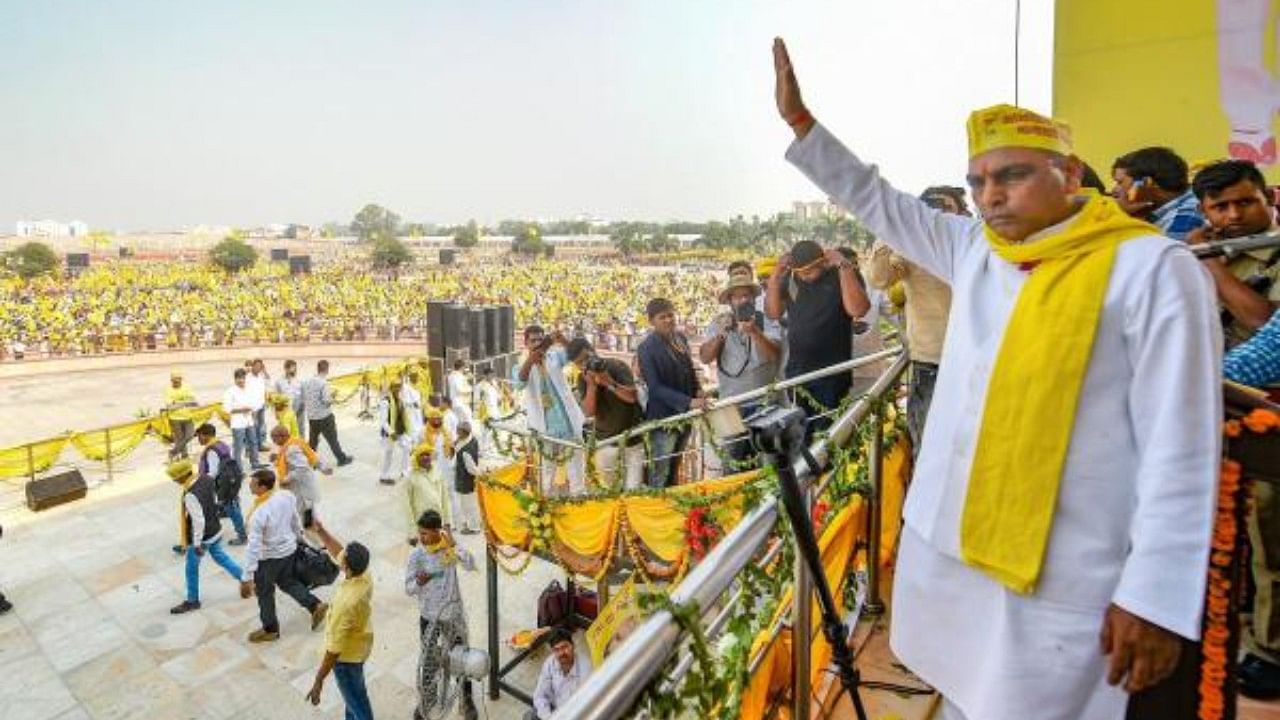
(613, 689)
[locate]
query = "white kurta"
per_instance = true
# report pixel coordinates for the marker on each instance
(1136, 502)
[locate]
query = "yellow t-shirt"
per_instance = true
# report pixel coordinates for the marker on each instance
(175, 395)
(348, 631)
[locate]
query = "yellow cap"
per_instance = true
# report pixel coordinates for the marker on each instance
(1006, 126)
(175, 373)
(434, 413)
(179, 469)
(765, 267)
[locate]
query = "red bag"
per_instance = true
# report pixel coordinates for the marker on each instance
(553, 605)
(587, 604)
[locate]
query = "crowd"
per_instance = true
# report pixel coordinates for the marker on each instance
(130, 306)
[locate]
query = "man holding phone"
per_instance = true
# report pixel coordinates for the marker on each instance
(1151, 184)
(550, 408)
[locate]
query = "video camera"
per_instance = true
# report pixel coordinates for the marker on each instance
(595, 363)
(744, 312)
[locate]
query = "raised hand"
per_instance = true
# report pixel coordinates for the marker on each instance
(787, 91)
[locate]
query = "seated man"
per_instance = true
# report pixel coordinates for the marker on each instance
(562, 674)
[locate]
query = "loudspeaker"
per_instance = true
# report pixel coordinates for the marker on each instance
(124, 252)
(77, 260)
(447, 257)
(55, 490)
(279, 254)
(506, 328)
(300, 265)
(435, 328)
(457, 331)
(479, 337)
(491, 341)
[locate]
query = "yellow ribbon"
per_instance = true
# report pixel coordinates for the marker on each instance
(1035, 389)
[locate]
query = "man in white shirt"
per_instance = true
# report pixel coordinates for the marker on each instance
(488, 407)
(237, 402)
(562, 674)
(256, 383)
(411, 398)
(274, 530)
(457, 385)
(290, 385)
(1077, 406)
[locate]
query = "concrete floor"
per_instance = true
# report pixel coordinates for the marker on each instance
(92, 581)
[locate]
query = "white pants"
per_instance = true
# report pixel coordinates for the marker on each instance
(607, 466)
(395, 457)
(463, 509)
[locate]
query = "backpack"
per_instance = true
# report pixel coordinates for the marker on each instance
(313, 567)
(226, 485)
(553, 605)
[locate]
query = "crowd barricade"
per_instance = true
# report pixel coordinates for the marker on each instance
(114, 442)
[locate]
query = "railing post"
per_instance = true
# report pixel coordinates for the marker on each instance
(110, 474)
(31, 463)
(491, 585)
(801, 623)
(875, 474)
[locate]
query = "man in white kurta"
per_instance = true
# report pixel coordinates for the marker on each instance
(1131, 526)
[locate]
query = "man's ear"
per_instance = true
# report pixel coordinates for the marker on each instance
(1072, 169)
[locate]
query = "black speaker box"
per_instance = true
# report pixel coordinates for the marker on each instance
(447, 257)
(491, 342)
(279, 254)
(479, 337)
(457, 330)
(77, 260)
(506, 328)
(435, 328)
(55, 490)
(299, 264)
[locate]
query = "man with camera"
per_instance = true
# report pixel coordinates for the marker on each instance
(550, 409)
(607, 390)
(745, 346)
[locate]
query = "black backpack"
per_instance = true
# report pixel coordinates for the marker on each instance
(226, 485)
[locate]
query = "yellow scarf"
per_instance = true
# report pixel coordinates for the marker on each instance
(258, 501)
(448, 556)
(282, 467)
(1035, 389)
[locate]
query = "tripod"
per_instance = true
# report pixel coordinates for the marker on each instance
(833, 628)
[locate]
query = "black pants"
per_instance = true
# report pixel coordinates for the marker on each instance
(278, 573)
(328, 428)
(923, 377)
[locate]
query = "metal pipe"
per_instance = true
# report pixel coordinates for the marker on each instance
(613, 689)
(740, 398)
(802, 621)
(875, 473)
(491, 586)
(843, 428)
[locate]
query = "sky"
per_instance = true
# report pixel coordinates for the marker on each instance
(136, 115)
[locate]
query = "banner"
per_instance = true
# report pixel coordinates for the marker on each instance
(1197, 76)
(619, 610)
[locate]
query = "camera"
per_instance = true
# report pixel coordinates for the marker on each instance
(777, 430)
(744, 312)
(545, 343)
(595, 363)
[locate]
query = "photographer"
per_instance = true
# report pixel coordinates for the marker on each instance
(550, 409)
(821, 294)
(745, 346)
(607, 390)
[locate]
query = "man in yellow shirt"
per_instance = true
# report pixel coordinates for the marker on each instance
(348, 630)
(178, 402)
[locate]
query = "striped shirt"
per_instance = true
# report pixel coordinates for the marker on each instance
(1256, 362)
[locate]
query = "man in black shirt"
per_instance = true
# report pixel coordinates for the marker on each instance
(607, 391)
(821, 295)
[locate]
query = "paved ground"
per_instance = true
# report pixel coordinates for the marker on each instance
(91, 636)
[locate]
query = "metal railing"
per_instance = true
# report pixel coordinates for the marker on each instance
(614, 688)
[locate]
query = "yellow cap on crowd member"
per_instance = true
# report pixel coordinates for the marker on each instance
(1006, 126)
(179, 469)
(175, 373)
(765, 267)
(433, 413)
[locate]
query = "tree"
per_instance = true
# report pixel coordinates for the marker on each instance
(233, 254)
(661, 242)
(467, 236)
(32, 259)
(374, 222)
(627, 238)
(389, 253)
(528, 241)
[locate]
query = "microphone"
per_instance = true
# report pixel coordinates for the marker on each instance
(1237, 246)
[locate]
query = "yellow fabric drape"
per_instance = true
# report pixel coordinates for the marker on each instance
(124, 438)
(588, 528)
(893, 494)
(1034, 390)
(16, 462)
(503, 516)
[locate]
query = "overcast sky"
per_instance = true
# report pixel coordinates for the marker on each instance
(136, 115)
